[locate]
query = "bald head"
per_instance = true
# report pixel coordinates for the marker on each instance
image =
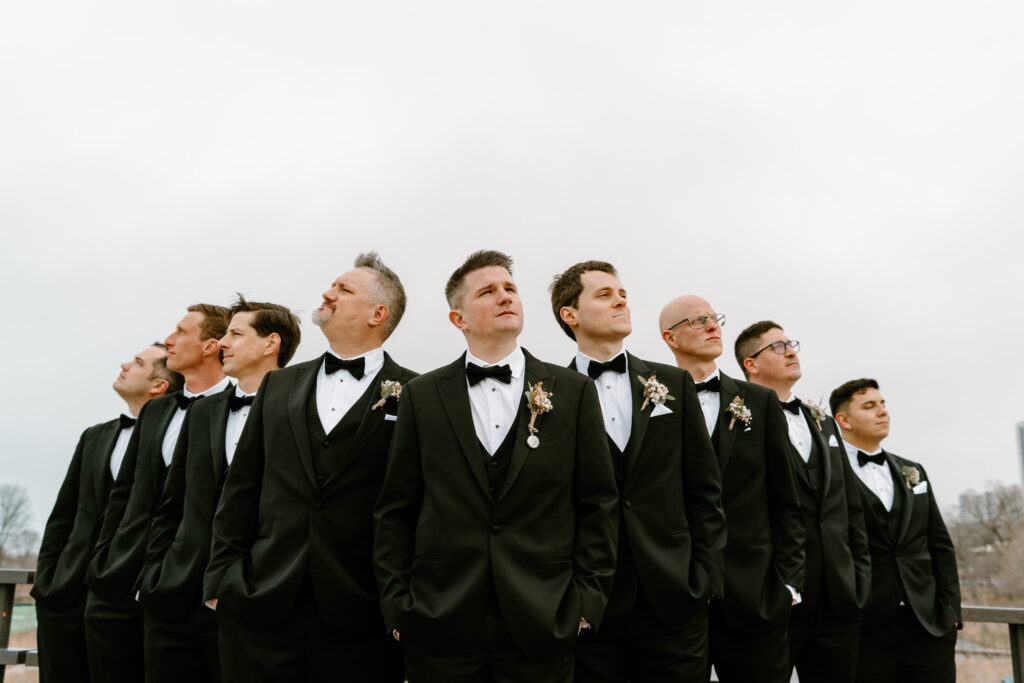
(695, 348)
(681, 308)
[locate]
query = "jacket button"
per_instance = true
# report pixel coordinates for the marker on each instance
(326, 443)
(494, 463)
(321, 478)
(495, 529)
(318, 507)
(627, 503)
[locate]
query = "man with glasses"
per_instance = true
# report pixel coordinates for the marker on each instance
(764, 554)
(823, 628)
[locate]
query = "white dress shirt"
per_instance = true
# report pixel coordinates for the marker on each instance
(799, 431)
(613, 391)
(878, 478)
(236, 420)
(338, 392)
(120, 448)
(494, 403)
(710, 403)
(174, 426)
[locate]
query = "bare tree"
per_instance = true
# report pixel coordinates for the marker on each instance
(14, 519)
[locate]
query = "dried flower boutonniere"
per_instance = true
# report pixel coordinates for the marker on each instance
(654, 391)
(817, 411)
(912, 476)
(388, 389)
(739, 412)
(539, 402)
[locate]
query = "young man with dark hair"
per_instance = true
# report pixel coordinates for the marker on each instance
(671, 523)
(764, 553)
(181, 633)
(909, 630)
(113, 616)
(496, 524)
(74, 523)
(291, 567)
(823, 628)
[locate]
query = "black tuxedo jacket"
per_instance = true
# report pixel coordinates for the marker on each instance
(912, 557)
(765, 549)
(837, 543)
(74, 523)
(276, 524)
(121, 547)
(171, 582)
(671, 496)
(543, 546)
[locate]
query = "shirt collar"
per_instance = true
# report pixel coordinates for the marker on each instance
(853, 450)
(583, 360)
(515, 361)
(374, 360)
(716, 373)
(241, 394)
(218, 387)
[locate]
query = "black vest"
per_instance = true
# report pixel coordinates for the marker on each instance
(496, 465)
(328, 449)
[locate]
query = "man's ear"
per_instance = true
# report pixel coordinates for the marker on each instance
(455, 317)
(669, 338)
(568, 316)
(272, 344)
(380, 314)
(843, 422)
(211, 346)
(750, 367)
(158, 387)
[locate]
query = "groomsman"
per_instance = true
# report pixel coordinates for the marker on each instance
(291, 570)
(181, 633)
(910, 624)
(74, 524)
(764, 556)
(496, 525)
(113, 618)
(823, 628)
(672, 527)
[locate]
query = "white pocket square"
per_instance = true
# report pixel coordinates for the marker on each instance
(390, 418)
(660, 409)
(921, 488)
(832, 441)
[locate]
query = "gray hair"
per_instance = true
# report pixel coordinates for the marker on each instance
(387, 289)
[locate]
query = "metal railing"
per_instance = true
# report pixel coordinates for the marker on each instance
(1012, 617)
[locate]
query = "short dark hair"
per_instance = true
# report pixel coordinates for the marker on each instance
(175, 380)
(389, 289)
(215, 320)
(841, 396)
(270, 318)
(746, 343)
(485, 258)
(566, 288)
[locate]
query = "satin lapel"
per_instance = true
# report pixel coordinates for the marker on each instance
(302, 384)
(641, 418)
(455, 399)
(535, 372)
(218, 432)
(906, 496)
(726, 436)
(105, 449)
(826, 453)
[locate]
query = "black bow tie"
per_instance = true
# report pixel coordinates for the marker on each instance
(355, 366)
(863, 458)
(127, 421)
(184, 401)
(475, 374)
(236, 402)
(617, 364)
(713, 384)
(792, 406)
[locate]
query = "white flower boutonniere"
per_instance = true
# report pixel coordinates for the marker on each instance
(388, 389)
(739, 412)
(539, 402)
(654, 391)
(817, 412)
(912, 476)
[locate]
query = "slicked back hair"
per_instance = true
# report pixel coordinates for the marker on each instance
(749, 339)
(841, 396)
(388, 289)
(567, 287)
(485, 258)
(214, 324)
(270, 318)
(175, 380)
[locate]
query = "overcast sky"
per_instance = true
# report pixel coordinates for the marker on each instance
(853, 171)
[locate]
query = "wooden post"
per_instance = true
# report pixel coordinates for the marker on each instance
(6, 608)
(1017, 651)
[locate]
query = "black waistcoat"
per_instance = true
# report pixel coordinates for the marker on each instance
(496, 465)
(618, 458)
(814, 468)
(328, 449)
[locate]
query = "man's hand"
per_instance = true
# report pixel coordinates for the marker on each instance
(212, 604)
(583, 624)
(396, 635)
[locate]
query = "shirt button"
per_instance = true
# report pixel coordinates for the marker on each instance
(493, 389)
(495, 529)
(613, 419)
(332, 410)
(607, 386)
(497, 426)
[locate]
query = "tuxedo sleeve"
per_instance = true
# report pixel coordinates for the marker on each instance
(62, 518)
(702, 488)
(169, 510)
(947, 579)
(397, 513)
(234, 524)
(859, 548)
(597, 510)
(785, 515)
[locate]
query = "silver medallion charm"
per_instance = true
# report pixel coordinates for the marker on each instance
(532, 441)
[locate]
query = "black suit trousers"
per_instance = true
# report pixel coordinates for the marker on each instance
(741, 657)
(113, 640)
(822, 646)
(901, 651)
(60, 636)
(181, 649)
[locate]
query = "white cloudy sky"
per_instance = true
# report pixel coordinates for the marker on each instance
(852, 170)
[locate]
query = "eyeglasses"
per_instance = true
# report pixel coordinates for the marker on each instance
(779, 347)
(699, 321)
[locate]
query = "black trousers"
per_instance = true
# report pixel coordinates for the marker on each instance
(901, 651)
(492, 657)
(748, 657)
(113, 640)
(181, 649)
(304, 648)
(822, 646)
(60, 637)
(637, 645)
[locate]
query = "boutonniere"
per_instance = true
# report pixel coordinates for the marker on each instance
(388, 389)
(817, 412)
(739, 412)
(654, 391)
(539, 402)
(912, 476)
